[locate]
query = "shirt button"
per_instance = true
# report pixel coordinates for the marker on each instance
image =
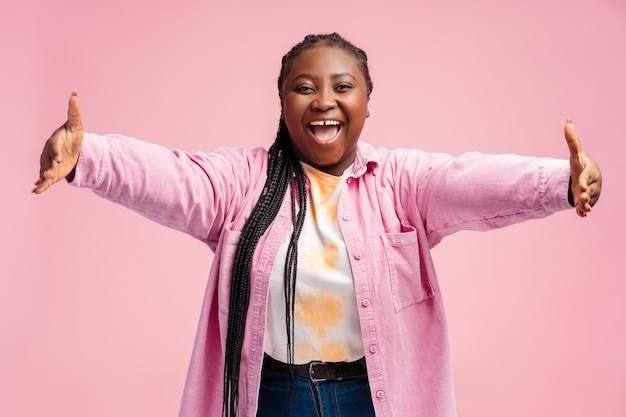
(365, 302)
(380, 394)
(346, 217)
(373, 349)
(358, 255)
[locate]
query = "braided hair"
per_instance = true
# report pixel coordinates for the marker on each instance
(284, 171)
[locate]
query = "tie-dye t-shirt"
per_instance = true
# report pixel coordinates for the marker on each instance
(326, 318)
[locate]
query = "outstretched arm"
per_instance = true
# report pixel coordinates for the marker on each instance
(196, 193)
(585, 173)
(61, 151)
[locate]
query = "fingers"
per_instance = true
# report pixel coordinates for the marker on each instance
(583, 200)
(48, 164)
(583, 205)
(589, 186)
(46, 161)
(44, 182)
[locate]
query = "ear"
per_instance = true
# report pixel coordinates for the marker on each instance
(368, 107)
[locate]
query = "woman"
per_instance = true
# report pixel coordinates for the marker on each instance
(322, 298)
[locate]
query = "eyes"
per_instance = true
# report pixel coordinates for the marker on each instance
(310, 89)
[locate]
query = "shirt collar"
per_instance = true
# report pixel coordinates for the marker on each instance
(366, 160)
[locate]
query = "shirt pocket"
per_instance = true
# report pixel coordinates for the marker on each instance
(408, 285)
(226, 259)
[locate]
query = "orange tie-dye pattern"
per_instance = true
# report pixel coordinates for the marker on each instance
(333, 352)
(322, 257)
(327, 352)
(306, 352)
(331, 212)
(320, 310)
(330, 255)
(324, 185)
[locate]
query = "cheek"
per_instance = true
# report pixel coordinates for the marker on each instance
(359, 105)
(293, 112)
(292, 104)
(294, 127)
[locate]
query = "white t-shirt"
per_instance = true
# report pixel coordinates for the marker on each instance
(326, 317)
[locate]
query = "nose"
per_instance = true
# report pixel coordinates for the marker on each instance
(324, 100)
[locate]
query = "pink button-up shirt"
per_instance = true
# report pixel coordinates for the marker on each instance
(396, 206)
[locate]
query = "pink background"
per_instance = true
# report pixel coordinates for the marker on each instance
(98, 306)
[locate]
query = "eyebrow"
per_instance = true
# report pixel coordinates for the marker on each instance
(313, 77)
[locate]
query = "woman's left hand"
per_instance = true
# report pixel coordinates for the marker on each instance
(586, 177)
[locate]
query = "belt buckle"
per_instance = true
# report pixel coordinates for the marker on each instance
(311, 371)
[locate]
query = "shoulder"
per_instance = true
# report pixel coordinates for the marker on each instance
(237, 153)
(237, 160)
(398, 159)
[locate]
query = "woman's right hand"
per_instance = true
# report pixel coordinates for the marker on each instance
(61, 151)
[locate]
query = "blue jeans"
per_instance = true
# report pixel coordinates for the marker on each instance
(345, 398)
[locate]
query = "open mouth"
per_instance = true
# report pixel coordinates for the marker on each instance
(325, 130)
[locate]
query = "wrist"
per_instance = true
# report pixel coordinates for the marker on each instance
(570, 195)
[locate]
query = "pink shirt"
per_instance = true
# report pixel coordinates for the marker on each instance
(396, 206)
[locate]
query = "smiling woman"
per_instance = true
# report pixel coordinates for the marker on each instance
(323, 297)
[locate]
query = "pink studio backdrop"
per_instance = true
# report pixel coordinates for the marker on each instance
(98, 306)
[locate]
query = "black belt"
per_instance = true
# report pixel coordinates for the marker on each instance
(318, 371)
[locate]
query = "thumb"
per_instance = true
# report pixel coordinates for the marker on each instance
(74, 120)
(73, 128)
(573, 143)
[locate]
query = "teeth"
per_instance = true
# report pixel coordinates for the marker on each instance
(325, 123)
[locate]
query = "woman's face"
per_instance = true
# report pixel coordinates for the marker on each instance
(324, 104)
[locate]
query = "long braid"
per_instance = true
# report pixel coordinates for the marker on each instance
(280, 171)
(291, 261)
(284, 170)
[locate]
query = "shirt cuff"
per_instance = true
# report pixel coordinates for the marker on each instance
(92, 163)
